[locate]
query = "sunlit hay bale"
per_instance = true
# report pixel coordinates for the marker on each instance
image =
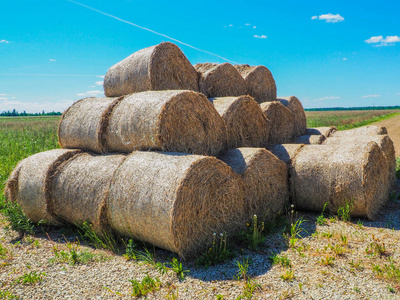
(220, 80)
(365, 130)
(310, 139)
(265, 178)
(259, 82)
(84, 123)
(300, 120)
(175, 201)
(246, 124)
(383, 141)
(281, 120)
(356, 174)
(79, 189)
(286, 152)
(181, 121)
(325, 131)
(28, 184)
(160, 67)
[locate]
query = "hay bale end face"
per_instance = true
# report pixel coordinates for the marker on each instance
(282, 127)
(325, 131)
(29, 183)
(220, 80)
(246, 124)
(259, 82)
(160, 67)
(310, 139)
(365, 130)
(300, 120)
(175, 201)
(181, 121)
(265, 178)
(79, 189)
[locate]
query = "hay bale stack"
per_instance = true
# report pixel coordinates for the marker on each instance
(265, 179)
(175, 201)
(246, 124)
(220, 80)
(310, 139)
(160, 67)
(28, 183)
(325, 131)
(79, 189)
(259, 82)
(181, 121)
(300, 120)
(286, 152)
(282, 127)
(84, 123)
(365, 130)
(336, 174)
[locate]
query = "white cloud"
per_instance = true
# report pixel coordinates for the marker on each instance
(344, 58)
(100, 76)
(94, 92)
(329, 18)
(3, 94)
(374, 39)
(247, 24)
(370, 96)
(260, 36)
(81, 94)
(380, 41)
(52, 59)
(3, 98)
(34, 107)
(230, 25)
(4, 42)
(391, 39)
(91, 94)
(99, 82)
(327, 98)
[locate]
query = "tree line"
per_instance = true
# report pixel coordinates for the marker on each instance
(15, 113)
(354, 108)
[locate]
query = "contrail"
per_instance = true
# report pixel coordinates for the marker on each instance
(152, 31)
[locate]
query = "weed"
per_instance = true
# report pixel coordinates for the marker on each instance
(338, 250)
(3, 252)
(398, 167)
(327, 234)
(360, 224)
(344, 240)
(7, 295)
(16, 218)
(281, 260)
(177, 267)
(321, 220)
(147, 285)
(106, 241)
(344, 212)
(288, 275)
(72, 257)
(295, 230)
(30, 278)
(327, 261)
(219, 297)
(130, 251)
(392, 290)
(253, 235)
(300, 287)
(243, 269)
(173, 294)
(376, 248)
(357, 265)
(218, 252)
(249, 287)
(357, 289)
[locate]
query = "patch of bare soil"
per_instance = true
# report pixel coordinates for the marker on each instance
(393, 127)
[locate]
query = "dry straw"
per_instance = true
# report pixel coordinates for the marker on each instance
(84, 123)
(220, 80)
(160, 67)
(325, 131)
(181, 121)
(310, 139)
(286, 152)
(79, 189)
(365, 130)
(259, 82)
(246, 124)
(175, 201)
(355, 174)
(300, 120)
(265, 179)
(282, 127)
(28, 183)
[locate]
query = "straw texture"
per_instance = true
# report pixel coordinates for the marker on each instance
(181, 121)
(265, 179)
(300, 120)
(365, 130)
(286, 152)
(310, 139)
(325, 131)
(246, 124)
(28, 184)
(174, 200)
(79, 189)
(220, 80)
(160, 67)
(260, 83)
(282, 127)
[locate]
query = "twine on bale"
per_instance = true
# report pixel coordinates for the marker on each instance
(300, 120)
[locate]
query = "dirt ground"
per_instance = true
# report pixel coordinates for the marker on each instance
(393, 127)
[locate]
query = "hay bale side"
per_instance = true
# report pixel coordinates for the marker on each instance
(365, 130)
(11, 186)
(300, 120)
(84, 123)
(265, 178)
(286, 152)
(259, 82)
(220, 80)
(336, 174)
(282, 127)
(30, 187)
(160, 67)
(175, 201)
(181, 121)
(246, 124)
(310, 139)
(325, 131)
(79, 189)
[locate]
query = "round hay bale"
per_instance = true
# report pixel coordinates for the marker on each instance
(175, 201)
(286, 152)
(79, 189)
(300, 120)
(282, 129)
(84, 123)
(11, 186)
(259, 82)
(265, 178)
(220, 80)
(325, 131)
(246, 124)
(365, 130)
(28, 185)
(181, 121)
(160, 67)
(310, 139)
(355, 173)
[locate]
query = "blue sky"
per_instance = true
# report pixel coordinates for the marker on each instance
(327, 53)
